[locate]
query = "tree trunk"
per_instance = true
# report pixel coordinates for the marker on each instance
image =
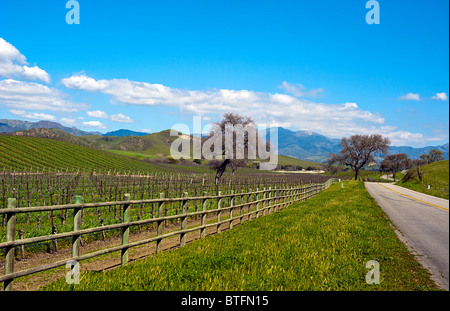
(356, 173)
(419, 174)
(221, 170)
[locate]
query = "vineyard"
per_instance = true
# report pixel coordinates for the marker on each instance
(25, 153)
(33, 189)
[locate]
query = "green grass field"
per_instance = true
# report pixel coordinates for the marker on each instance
(434, 174)
(321, 244)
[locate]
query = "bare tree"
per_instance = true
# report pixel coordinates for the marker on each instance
(395, 163)
(236, 150)
(332, 164)
(359, 150)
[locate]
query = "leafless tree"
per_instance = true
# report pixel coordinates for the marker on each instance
(359, 150)
(395, 163)
(240, 142)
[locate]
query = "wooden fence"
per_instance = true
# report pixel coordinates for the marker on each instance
(252, 204)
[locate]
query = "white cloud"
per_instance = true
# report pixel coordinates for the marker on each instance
(298, 90)
(34, 96)
(97, 114)
(13, 65)
(82, 82)
(70, 121)
(96, 124)
(33, 115)
(333, 120)
(410, 96)
(121, 118)
(440, 96)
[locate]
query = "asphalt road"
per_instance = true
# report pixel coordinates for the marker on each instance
(423, 221)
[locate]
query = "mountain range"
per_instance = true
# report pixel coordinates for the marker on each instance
(305, 145)
(9, 126)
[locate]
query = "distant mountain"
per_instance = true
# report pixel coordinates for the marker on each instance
(307, 145)
(9, 126)
(415, 153)
(123, 133)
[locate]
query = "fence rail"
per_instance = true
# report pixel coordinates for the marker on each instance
(257, 203)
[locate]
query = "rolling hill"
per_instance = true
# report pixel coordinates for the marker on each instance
(304, 145)
(435, 174)
(23, 153)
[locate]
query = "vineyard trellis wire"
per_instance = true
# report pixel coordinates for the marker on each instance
(183, 208)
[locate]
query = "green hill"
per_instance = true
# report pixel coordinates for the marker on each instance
(21, 153)
(285, 160)
(152, 144)
(434, 174)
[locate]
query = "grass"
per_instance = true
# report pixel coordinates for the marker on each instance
(137, 155)
(285, 160)
(321, 244)
(434, 174)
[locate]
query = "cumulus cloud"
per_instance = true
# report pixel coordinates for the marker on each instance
(34, 96)
(278, 109)
(121, 118)
(410, 96)
(32, 115)
(298, 90)
(96, 124)
(440, 96)
(13, 65)
(70, 121)
(97, 114)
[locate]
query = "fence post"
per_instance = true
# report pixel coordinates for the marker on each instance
(231, 209)
(184, 220)
(204, 203)
(219, 212)
(257, 203)
(270, 199)
(160, 223)
(125, 230)
(264, 202)
(22, 248)
(10, 237)
(76, 239)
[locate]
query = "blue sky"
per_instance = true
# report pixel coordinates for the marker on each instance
(305, 65)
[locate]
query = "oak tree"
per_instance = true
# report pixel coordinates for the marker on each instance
(358, 150)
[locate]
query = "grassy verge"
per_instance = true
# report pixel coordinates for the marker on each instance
(321, 244)
(435, 174)
(419, 187)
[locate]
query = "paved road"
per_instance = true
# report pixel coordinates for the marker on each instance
(423, 221)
